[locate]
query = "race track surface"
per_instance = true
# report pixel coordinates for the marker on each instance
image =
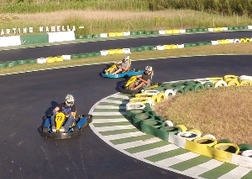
(26, 98)
(22, 54)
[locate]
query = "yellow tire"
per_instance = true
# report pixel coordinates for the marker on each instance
(196, 131)
(182, 128)
(233, 82)
(229, 77)
(208, 141)
(246, 83)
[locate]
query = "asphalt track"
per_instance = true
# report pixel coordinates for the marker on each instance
(22, 54)
(27, 97)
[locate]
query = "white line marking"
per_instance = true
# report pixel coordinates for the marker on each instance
(124, 135)
(118, 95)
(202, 168)
(177, 159)
(138, 143)
(109, 107)
(111, 128)
(155, 151)
(96, 121)
(109, 113)
(114, 101)
(237, 172)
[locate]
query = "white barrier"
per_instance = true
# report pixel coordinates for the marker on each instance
(10, 41)
(61, 36)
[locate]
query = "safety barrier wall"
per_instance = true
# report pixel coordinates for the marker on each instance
(42, 60)
(140, 114)
(162, 32)
(37, 38)
(28, 39)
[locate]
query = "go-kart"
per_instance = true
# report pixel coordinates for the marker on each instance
(76, 129)
(107, 73)
(124, 88)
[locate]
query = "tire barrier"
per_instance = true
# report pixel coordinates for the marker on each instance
(191, 139)
(209, 136)
(208, 141)
(188, 135)
(169, 92)
(130, 106)
(231, 80)
(228, 147)
(220, 83)
(244, 147)
(153, 92)
(196, 131)
(42, 60)
(247, 153)
(169, 123)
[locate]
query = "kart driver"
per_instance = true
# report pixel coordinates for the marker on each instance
(69, 109)
(123, 66)
(143, 80)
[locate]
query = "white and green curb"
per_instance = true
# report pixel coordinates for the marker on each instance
(113, 128)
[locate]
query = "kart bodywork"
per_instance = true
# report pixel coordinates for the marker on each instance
(76, 129)
(124, 88)
(132, 72)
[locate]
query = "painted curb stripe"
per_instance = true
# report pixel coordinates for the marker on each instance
(106, 113)
(114, 128)
(154, 151)
(110, 107)
(237, 172)
(176, 159)
(218, 171)
(104, 129)
(131, 139)
(146, 147)
(190, 163)
(138, 143)
(167, 154)
(202, 168)
(111, 110)
(120, 131)
(111, 124)
(124, 135)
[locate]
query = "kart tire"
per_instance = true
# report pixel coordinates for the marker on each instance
(208, 85)
(244, 147)
(224, 141)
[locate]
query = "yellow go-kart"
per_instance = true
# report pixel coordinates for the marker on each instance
(131, 83)
(111, 69)
(76, 129)
(107, 73)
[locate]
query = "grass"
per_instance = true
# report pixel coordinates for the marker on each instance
(243, 48)
(112, 21)
(223, 112)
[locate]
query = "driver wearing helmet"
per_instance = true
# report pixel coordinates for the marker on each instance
(144, 80)
(69, 109)
(123, 66)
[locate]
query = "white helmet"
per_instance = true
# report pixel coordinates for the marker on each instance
(69, 100)
(149, 68)
(126, 59)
